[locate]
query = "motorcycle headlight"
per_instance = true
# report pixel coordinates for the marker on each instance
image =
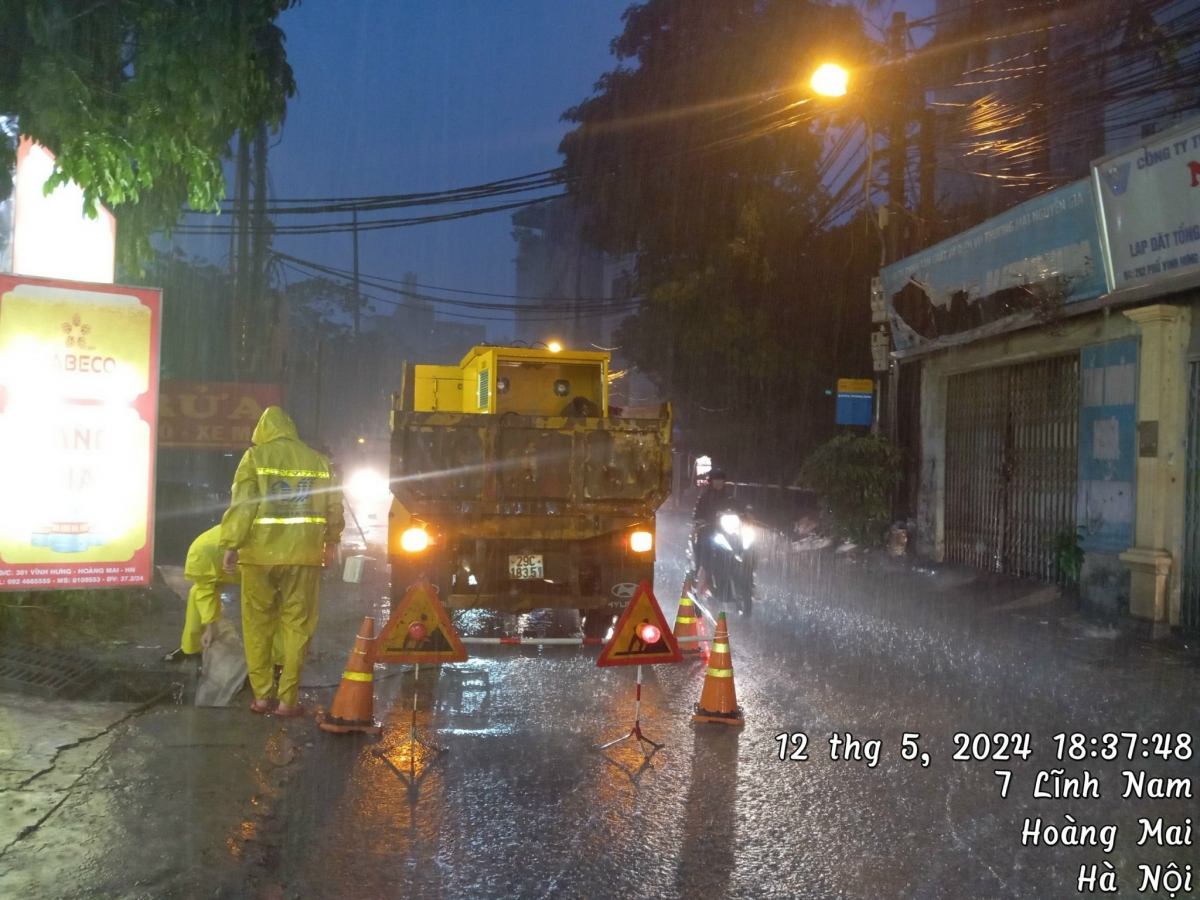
(720, 541)
(730, 523)
(747, 535)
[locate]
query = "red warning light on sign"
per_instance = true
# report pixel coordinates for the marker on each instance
(649, 633)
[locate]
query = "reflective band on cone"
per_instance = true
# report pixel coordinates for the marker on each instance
(688, 625)
(718, 699)
(353, 707)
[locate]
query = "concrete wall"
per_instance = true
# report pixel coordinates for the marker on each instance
(1155, 560)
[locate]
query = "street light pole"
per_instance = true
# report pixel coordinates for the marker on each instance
(897, 162)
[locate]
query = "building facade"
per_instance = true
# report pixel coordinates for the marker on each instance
(1058, 358)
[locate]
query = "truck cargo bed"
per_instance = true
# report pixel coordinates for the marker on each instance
(465, 467)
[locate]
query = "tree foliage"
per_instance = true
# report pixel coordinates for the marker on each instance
(139, 99)
(853, 477)
(697, 153)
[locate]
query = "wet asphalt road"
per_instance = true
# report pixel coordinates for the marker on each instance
(185, 802)
(523, 804)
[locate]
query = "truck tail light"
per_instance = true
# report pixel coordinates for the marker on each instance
(414, 540)
(641, 542)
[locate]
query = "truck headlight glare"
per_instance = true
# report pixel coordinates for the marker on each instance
(414, 540)
(641, 542)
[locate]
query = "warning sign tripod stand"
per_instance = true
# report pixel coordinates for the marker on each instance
(419, 631)
(635, 733)
(414, 738)
(640, 637)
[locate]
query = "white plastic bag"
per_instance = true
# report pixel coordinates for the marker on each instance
(223, 669)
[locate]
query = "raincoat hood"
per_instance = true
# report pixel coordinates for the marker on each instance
(273, 425)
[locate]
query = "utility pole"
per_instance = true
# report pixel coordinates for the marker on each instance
(241, 211)
(897, 132)
(928, 150)
(250, 333)
(261, 327)
(357, 296)
(897, 161)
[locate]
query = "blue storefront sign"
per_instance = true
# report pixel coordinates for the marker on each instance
(1107, 445)
(1009, 269)
(855, 401)
(1150, 208)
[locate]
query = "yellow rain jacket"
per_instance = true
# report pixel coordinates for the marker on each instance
(285, 505)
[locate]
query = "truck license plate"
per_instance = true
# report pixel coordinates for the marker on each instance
(526, 567)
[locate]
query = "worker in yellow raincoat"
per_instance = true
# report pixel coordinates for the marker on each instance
(203, 567)
(284, 522)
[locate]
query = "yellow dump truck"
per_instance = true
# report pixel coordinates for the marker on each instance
(516, 487)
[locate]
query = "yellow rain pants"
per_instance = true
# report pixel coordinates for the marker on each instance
(280, 605)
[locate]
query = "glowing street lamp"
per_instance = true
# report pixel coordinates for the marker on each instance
(554, 347)
(830, 80)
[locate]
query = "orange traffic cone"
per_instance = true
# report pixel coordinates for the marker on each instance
(353, 707)
(687, 625)
(718, 700)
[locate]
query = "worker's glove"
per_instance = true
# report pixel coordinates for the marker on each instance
(330, 555)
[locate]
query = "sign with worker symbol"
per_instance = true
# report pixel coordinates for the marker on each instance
(642, 636)
(419, 631)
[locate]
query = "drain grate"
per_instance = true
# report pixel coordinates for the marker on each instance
(26, 669)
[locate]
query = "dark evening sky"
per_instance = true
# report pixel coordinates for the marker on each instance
(425, 95)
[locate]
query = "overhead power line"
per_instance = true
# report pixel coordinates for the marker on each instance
(346, 273)
(602, 306)
(370, 225)
(538, 181)
(530, 313)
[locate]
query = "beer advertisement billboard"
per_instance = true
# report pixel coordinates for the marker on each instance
(78, 410)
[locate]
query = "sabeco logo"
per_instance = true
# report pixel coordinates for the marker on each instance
(77, 334)
(94, 365)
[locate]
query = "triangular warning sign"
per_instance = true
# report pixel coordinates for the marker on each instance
(628, 645)
(419, 631)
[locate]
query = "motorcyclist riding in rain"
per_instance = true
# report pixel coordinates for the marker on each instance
(722, 536)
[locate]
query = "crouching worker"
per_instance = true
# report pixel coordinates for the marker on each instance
(283, 524)
(203, 568)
